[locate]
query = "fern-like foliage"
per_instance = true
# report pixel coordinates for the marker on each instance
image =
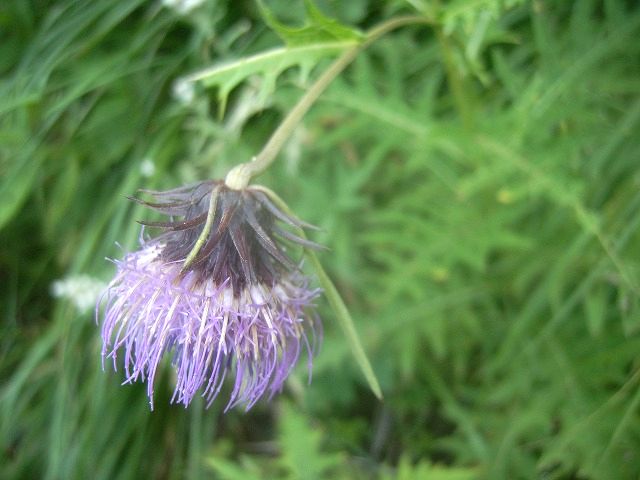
(306, 46)
(476, 181)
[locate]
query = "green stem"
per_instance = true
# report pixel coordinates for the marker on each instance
(240, 175)
(335, 301)
(456, 82)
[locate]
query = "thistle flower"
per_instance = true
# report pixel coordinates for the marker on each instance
(217, 291)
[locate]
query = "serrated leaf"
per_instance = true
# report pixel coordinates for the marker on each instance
(301, 447)
(467, 12)
(229, 470)
(318, 28)
(267, 65)
(321, 37)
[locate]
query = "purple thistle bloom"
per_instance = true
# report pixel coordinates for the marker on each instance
(216, 291)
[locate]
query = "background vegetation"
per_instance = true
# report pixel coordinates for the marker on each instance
(476, 180)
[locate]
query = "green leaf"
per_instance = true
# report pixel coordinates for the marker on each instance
(230, 470)
(337, 304)
(467, 12)
(16, 185)
(318, 28)
(346, 322)
(268, 66)
(425, 470)
(301, 447)
(595, 309)
(321, 37)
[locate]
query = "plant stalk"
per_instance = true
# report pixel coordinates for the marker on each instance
(240, 176)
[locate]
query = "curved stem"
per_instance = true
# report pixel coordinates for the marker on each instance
(240, 175)
(335, 301)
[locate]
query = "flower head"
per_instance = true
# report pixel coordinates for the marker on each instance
(217, 291)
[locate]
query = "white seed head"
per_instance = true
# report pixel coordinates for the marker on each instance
(147, 167)
(81, 290)
(184, 91)
(182, 6)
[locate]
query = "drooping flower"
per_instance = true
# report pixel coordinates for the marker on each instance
(218, 292)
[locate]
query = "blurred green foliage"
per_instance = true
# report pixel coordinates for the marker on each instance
(477, 181)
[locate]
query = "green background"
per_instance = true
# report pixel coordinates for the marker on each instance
(477, 182)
